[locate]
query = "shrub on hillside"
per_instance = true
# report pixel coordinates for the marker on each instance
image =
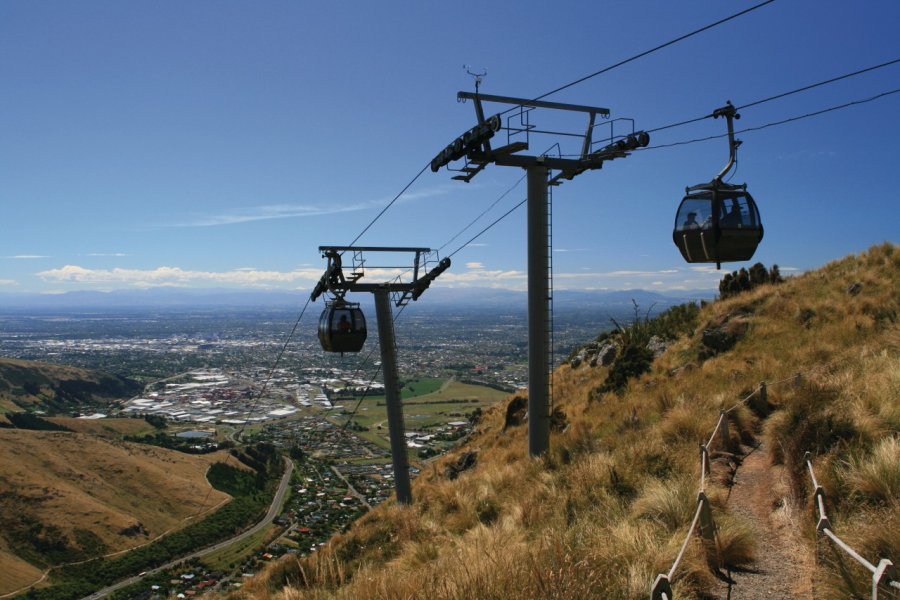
(636, 342)
(741, 281)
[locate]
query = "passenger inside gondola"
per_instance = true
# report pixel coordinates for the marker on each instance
(732, 217)
(693, 215)
(691, 221)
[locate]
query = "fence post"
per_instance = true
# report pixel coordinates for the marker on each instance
(707, 525)
(726, 439)
(761, 402)
(704, 466)
(885, 567)
(661, 588)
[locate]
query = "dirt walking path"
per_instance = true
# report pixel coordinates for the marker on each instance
(782, 565)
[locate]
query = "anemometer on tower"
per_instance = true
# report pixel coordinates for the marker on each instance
(475, 148)
(732, 232)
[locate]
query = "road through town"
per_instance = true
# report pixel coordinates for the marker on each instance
(273, 511)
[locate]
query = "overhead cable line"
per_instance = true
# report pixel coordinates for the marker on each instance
(776, 123)
(391, 203)
(821, 83)
(400, 312)
(483, 231)
(485, 211)
(374, 375)
(650, 51)
(783, 94)
(275, 366)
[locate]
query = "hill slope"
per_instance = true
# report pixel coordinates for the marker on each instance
(33, 385)
(609, 506)
(65, 497)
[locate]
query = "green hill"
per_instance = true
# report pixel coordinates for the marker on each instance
(608, 508)
(28, 385)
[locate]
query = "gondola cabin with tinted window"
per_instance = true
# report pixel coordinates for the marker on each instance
(718, 222)
(342, 327)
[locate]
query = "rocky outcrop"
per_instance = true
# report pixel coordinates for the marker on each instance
(463, 462)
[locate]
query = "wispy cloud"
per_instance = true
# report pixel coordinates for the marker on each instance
(477, 274)
(175, 276)
(27, 256)
(110, 254)
(8, 282)
(298, 211)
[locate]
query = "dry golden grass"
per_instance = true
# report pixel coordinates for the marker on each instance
(15, 573)
(608, 507)
(105, 427)
(75, 481)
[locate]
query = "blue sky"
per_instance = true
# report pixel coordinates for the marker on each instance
(218, 144)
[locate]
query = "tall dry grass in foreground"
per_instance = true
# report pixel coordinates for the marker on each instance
(608, 507)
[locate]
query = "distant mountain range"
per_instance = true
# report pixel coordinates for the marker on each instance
(437, 298)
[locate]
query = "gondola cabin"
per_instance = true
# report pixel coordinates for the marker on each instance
(717, 222)
(342, 327)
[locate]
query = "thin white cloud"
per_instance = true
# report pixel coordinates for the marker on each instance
(571, 249)
(175, 276)
(704, 269)
(474, 265)
(108, 254)
(298, 211)
(8, 282)
(28, 256)
(265, 213)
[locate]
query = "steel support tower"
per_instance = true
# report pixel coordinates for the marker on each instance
(338, 283)
(474, 146)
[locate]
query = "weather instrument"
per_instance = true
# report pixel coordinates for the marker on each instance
(717, 221)
(551, 167)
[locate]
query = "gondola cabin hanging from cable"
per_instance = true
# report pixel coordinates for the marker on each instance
(718, 222)
(342, 327)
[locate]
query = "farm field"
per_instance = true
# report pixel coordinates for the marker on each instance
(427, 404)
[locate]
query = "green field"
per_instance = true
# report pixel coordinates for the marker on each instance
(427, 404)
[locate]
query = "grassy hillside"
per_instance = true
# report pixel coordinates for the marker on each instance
(114, 428)
(607, 509)
(66, 497)
(26, 385)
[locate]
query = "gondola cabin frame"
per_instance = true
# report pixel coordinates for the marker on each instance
(717, 223)
(342, 327)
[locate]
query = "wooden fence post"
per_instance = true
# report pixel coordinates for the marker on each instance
(708, 526)
(726, 439)
(761, 399)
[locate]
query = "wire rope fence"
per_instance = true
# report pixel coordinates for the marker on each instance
(661, 588)
(884, 574)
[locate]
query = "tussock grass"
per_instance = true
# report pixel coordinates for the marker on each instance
(608, 508)
(737, 541)
(875, 476)
(671, 503)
